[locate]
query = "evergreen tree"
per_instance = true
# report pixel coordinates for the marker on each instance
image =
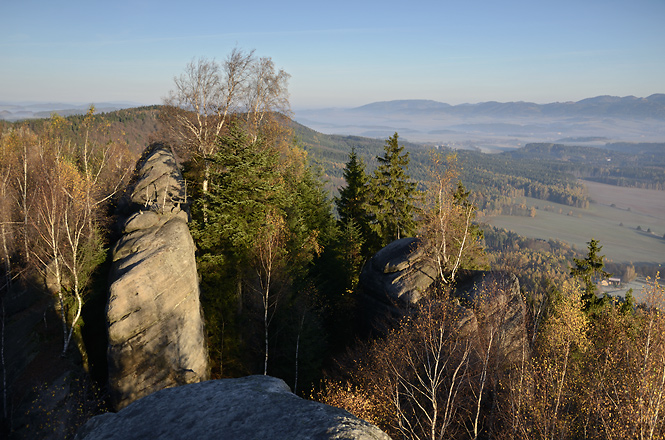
(309, 217)
(244, 185)
(352, 201)
(245, 188)
(590, 270)
(393, 195)
(267, 220)
(352, 208)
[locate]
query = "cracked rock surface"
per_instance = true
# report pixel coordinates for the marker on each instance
(252, 407)
(155, 327)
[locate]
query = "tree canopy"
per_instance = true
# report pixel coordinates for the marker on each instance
(393, 195)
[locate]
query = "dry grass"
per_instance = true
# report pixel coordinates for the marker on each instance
(643, 201)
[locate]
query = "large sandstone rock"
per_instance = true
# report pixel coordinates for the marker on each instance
(498, 308)
(253, 407)
(155, 327)
(401, 274)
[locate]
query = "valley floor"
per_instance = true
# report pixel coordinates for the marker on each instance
(628, 222)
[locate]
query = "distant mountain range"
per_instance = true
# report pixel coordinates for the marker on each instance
(14, 111)
(496, 126)
(606, 106)
(487, 126)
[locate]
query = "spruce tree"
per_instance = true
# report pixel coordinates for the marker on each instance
(393, 195)
(244, 185)
(353, 199)
(268, 220)
(589, 270)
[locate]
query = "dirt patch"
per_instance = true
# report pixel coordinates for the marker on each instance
(645, 201)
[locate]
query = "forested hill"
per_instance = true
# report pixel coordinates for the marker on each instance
(640, 165)
(132, 127)
(544, 171)
(331, 152)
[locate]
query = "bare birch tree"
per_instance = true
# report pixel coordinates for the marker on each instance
(430, 373)
(266, 93)
(208, 94)
(73, 183)
(6, 217)
(415, 382)
(80, 246)
(205, 95)
(17, 162)
(51, 204)
(105, 168)
(447, 219)
(269, 251)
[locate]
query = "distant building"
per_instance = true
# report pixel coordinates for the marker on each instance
(614, 282)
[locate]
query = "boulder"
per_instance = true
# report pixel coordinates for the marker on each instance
(399, 272)
(498, 307)
(155, 325)
(253, 407)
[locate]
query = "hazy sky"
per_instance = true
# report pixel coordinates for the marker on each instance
(339, 53)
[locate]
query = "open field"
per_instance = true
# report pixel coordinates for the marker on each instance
(615, 226)
(647, 202)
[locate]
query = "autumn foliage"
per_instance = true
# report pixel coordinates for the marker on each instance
(597, 375)
(54, 192)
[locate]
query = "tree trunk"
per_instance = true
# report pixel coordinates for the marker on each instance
(2, 359)
(206, 180)
(8, 266)
(265, 321)
(295, 382)
(63, 310)
(483, 378)
(238, 291)
(79, 306)
(24, 195)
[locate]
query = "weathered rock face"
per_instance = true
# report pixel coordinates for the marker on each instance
(155, 327)
(398, 272)
(253, 407)
(401, 274)
(498, 308)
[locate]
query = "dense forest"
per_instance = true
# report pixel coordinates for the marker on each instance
(279, 260)
(548, 172)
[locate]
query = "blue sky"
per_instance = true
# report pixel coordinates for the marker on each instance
(339, 53)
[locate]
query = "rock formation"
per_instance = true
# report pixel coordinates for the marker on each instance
(398, 272)
(155, 327)
(401, 274)
(253, 407)
(498, 307)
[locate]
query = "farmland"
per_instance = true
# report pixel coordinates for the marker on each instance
(629, 222)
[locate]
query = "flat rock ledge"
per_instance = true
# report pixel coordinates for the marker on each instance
(252, 407)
